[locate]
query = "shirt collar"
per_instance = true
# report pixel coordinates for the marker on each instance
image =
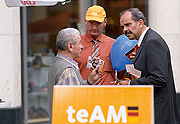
(90, 38)
(68, 60)
(142, 36)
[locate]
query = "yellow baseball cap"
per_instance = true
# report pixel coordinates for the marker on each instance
(96, 13)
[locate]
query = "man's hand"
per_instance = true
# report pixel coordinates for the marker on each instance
(95, 75)
(124, 82)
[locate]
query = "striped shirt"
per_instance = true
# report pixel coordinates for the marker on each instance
(68, 77)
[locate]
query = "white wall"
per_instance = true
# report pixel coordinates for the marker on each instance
(164, 17)
(10, 55)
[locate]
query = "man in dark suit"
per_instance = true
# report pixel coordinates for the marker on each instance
(154, 61)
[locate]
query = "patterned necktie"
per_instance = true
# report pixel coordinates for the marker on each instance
(136, 47)
(96, 53)
(95, 50)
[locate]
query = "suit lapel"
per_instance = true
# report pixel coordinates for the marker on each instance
(141, 46)
(138, 52)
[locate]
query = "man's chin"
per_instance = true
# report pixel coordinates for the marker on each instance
(76, 57)
(130, 37)
(95, 35)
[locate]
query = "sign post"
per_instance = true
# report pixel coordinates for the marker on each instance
(103, 104)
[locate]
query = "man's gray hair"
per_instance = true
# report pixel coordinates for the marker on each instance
(136, 14)
(65, 36)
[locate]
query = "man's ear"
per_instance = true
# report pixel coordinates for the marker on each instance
(85, 20)
(141, 22)
(70, 46)
(105, 22)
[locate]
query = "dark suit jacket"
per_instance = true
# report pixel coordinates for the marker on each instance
(154, 61)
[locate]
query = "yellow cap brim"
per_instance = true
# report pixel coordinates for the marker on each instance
(94, 18)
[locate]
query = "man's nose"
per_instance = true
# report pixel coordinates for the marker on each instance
(125, 29)
(94, 25)
(82, 46)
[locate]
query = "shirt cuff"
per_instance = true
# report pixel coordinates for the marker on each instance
(129, 82)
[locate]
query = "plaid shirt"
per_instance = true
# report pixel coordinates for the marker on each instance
(68, 77)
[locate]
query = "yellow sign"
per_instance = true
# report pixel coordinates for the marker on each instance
(103, 105)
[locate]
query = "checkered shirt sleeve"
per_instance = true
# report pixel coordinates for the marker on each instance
(68, 77)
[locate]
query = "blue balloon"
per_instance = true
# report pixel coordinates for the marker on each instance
(119, 48)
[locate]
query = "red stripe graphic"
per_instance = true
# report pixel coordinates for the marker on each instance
(132, 113)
